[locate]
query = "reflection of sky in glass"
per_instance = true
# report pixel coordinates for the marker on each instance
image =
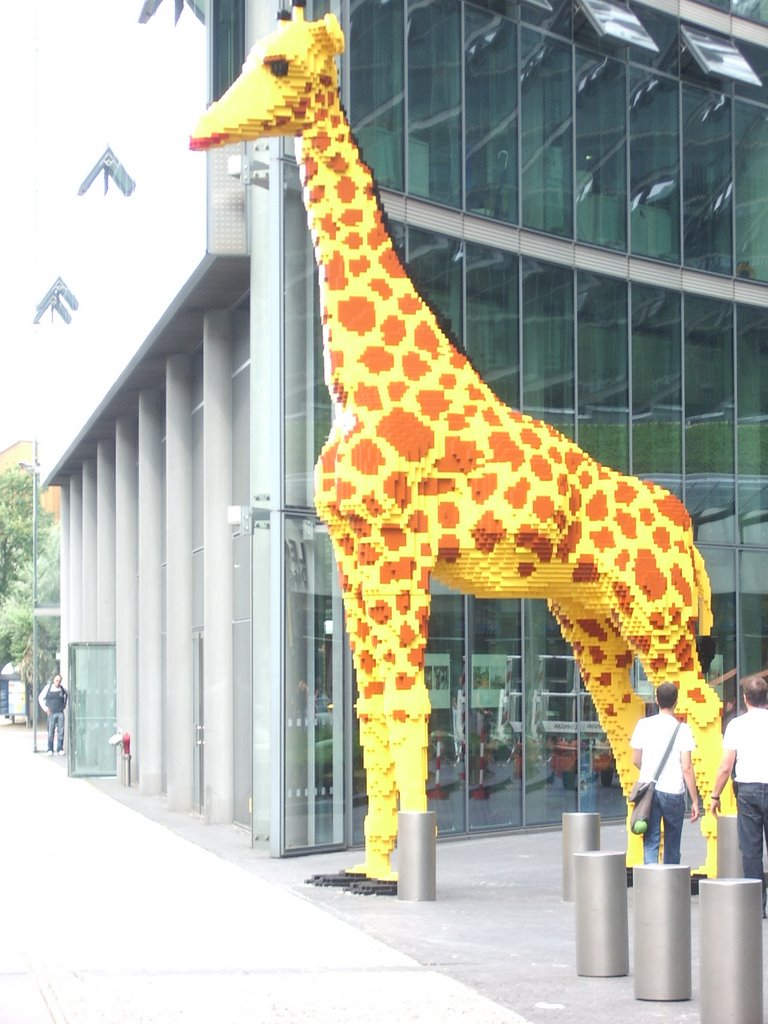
(609, 19)
(718, 56)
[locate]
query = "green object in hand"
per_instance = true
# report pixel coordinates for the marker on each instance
(639, 827)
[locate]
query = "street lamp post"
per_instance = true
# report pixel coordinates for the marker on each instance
(34, 468)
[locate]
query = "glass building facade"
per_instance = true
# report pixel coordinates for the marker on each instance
(587, 214)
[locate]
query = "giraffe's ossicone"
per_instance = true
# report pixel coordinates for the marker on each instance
(426, 473)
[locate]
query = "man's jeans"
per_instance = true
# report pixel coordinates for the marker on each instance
(752, 826)
(56, 720)
(671, 808)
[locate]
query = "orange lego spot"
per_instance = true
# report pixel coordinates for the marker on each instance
(367, 458)
(447, 381)
(432, 403)
(380, 286)
(377, 359)
(396, 487)
(460, 456)
(357, 314)
(367, 396)
(505, 450)
(393, 330)
(335, 273)
(597, 507)
(425, 338)
(483, 487)
(625, 493)
(673, 509)
(541, 467)
(651, 581)
(543, 507)
(456, 422)
(393, 537)
(602, 539)
(517, 495)
(627, 525)
(573, 459)
(414, 366)
(585, 571)
(531, 438)
(380, 612)
(402, 569)
(436, 485)
(396, 390)
(448, 547)
(390, 263)
(681, 584)
(447, 514)
(526, 569)
(411, 438)
(409, 304)
(661, 538)
(488, 532)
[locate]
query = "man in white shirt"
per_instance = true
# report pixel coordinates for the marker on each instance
(649, 741)
(745, 745)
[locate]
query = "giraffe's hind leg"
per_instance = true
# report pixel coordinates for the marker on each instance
(604, 658)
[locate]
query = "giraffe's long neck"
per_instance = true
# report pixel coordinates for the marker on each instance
(366, 295)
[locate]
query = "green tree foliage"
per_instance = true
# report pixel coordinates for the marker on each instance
(16, 577)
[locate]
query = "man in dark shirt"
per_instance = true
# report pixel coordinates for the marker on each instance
(53, 699)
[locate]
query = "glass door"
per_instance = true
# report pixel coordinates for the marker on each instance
(198, 725)
(91, 710)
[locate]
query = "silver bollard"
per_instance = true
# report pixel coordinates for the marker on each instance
(581, 834)
(662, 931)
(602, 927)
(731, 951)
(729, 864)
(416, 855)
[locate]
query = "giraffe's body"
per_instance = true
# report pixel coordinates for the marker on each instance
(427, 473)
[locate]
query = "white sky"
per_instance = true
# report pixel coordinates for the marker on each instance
(77, 76)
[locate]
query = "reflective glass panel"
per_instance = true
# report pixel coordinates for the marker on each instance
(617, 22)
(751, 148)
(313, 705)
(707, 180)
(377, 87)
(657, 387)
(752, 436)
(603, 404)
(558, 19)
(548, 339)
(709, 417)
(758, 61)
(719, 661)
(490, 74)
(717, 56)
(444, 675)
(551, 686)
(753, 609)
(91, 710)
(434, 101)
(662, 28)
(226, 22)
(757, 10)
(495, 715)
(492, 319)
(435, 261)
(654, 170)
(546, 134)
(307, 402)
(601, 153)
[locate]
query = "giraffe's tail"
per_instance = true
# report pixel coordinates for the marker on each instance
(705, 592)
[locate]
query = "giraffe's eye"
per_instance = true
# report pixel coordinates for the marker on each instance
(278, 67)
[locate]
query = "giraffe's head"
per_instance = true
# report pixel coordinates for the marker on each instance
(284, 79)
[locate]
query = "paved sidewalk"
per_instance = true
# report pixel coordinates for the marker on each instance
(116, 910)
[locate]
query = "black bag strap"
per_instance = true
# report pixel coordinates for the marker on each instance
(667, 752)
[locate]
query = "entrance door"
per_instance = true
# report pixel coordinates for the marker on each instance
(198, 724)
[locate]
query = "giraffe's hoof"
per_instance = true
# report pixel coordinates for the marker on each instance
(380, 871)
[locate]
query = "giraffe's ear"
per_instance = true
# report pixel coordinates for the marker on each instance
(332, 29)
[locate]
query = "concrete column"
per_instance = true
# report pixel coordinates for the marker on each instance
(729, 862)
(581, 833)
(75, 563)
(105, 541)
(602, 920)
(89, 551)
(178, 521)
(662, 931)
(126, 580)
(150, 731)
(217, 567)
(731, 961)
(64, 574)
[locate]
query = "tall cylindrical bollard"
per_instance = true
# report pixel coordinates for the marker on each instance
(581, 834)
(731, 951)
(416, 855)
(602, 928)
(662, 931)
(728, 853)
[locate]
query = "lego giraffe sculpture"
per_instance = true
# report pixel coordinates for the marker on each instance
(427, 473)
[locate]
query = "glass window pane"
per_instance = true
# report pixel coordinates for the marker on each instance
(603, 402)
(490, 69)
(709, 426)
(719, 650)
(492, 319)
(313, 724)
(758, 61)
(548, 336)
(444, 675)
(751, 148)
(707, 180)
(495, 716)
(558, 21)
(752, 398)
(307, 402)
(654, 167)
(435, 261)
(545, 134)
(377, 87)
(657, 387)
(601, 157)
(617, 22)
(756, 10)
(227, 28)
(662, 28)
(434, 101)
(753, 610)
(717, 56)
